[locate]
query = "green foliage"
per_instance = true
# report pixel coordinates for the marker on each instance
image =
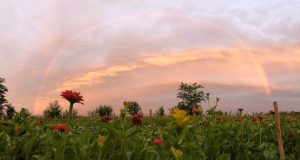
(191, 95)
(22, 116)
(3, 101)
(132, 107)
(203, 138)
(213, 110)
(160, 111)
(74, 113)
(104, 110)
(53, 110)
(10, 111)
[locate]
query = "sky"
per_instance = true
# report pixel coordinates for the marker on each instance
(244, 52)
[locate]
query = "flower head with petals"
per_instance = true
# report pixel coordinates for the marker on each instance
(180, 117)
(72, 97)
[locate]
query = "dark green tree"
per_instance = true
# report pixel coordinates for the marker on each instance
(53, 110)
(10, 111)
(160, 111)
(3, 101)
(132, 107)
(191, 96)
(104, 110)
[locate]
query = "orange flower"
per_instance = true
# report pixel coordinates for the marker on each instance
(218, 119)
(72, 97)
(241, 120)
(18, 128)
(60, 127)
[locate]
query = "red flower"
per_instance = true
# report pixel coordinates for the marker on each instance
(38, 123)
(158, 141)
(254, 119)
(241, 120)
(72, 97)
(137, 119)
(218, 119)
(60, 127)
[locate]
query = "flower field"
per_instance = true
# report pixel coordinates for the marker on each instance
(177, 136)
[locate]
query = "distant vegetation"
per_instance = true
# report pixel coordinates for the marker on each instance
(188, 132)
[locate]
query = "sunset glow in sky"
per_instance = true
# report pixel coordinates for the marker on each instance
(245, 52)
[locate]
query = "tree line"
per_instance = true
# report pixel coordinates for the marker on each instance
(192, 98)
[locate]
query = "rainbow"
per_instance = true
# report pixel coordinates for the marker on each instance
(260, 71)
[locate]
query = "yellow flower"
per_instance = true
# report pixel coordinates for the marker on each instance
(180, 116)
(101, 140)
(176, 153)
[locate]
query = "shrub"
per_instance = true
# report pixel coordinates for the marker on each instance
(160, 111)
(104, 110)
(132, 107)
(53, 110)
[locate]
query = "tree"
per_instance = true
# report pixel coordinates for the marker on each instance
(191, 96)
(53, 110)
(104, 110)
(10, 111)
(132, 107)
(160, 111)
(3, 100)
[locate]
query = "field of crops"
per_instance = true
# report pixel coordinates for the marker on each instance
(177, 136)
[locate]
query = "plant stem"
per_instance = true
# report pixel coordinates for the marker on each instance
(259, 132)
(70, 113)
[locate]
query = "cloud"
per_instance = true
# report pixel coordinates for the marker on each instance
(112, 51)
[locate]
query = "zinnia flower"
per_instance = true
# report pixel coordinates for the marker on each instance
(60, 127)
(106, 119)
(72, 97)
(196, 110)
(177, 154)
(180, 117)
(137, 119)
(158, 141)
(38, 123)
(101, 141)
(254, 119)
(218, 119)
(241, 120)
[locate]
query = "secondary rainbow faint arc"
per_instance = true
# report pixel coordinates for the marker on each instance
(259, 69)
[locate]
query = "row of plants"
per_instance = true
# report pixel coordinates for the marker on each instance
(178, 136)
(210, 135)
